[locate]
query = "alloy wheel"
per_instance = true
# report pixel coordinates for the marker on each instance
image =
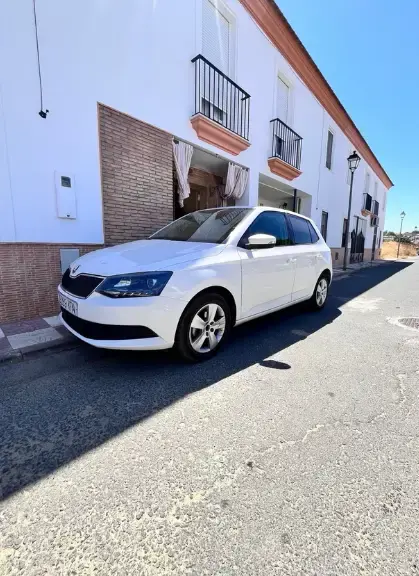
(207, 328)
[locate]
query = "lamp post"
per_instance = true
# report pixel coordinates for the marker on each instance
(402, 215)
(353, 163)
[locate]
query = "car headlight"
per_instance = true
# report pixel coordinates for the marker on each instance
(134, 285)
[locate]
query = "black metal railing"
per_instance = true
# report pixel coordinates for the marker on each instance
(375, 207)
(367, 202)
(220, 99)
(286, 144)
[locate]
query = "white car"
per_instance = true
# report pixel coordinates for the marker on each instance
(192, 281)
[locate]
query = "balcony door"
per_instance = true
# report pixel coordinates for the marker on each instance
(282, 111)
(217, 36)
(220, 98)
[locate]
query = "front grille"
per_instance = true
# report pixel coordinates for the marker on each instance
(82, 285)
(95, 331)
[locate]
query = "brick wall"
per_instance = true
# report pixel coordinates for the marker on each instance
(29, 276)
(203, 178)
(137, 178)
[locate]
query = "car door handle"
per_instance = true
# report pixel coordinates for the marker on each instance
(291, 260)
(319, 256)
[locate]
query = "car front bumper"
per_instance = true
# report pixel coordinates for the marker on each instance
(109, 322)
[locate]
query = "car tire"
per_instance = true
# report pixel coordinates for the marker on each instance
(204, 328)
(320, 294)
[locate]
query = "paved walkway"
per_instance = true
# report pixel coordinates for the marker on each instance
(337, 272)
(25, 336)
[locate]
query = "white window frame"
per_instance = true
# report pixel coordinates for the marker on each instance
(228, 15)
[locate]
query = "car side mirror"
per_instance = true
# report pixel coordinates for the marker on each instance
(260, 241)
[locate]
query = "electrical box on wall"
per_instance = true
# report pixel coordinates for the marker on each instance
(65, 193)
(67, 257)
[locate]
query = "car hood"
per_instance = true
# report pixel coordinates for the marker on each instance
(142, 256)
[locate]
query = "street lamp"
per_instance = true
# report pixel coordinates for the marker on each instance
(402, 215)
(353, 163)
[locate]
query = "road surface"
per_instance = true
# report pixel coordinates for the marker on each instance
(295, 451)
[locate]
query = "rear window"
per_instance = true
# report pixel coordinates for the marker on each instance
(301, 230)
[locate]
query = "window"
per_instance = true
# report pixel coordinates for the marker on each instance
(329, 150)
(345, 223)
(273, 223)
(212, 226)
(282, 100)
(301, 230)
(217, 36)
(212, 111)
(323, 229)
(375, 190)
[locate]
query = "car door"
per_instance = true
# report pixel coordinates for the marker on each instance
(307, 254)
(267, 273)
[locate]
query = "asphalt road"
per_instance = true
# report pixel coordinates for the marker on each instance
(295, 451)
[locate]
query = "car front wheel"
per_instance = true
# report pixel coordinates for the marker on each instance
(203, 328)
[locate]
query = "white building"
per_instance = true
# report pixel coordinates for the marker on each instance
(119, 84)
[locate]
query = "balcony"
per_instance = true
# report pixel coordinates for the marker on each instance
(222, 109)
(375, 221)
(367, 205)
(286, 151)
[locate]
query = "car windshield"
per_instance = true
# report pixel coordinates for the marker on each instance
(213, 226)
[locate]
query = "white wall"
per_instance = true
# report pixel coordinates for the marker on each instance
(135, 56)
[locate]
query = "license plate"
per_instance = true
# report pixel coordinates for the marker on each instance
(68, 304)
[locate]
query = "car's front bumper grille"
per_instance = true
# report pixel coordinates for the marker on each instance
(82, 285)
(95, 331)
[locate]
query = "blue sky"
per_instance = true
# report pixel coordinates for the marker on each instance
(368, 50)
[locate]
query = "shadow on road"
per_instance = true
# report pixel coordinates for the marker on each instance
(55, 408)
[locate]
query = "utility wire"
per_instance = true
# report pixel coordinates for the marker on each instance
(41, 112)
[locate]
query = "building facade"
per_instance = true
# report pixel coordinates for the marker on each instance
(94, 94)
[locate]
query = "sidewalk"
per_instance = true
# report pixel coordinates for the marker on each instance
(25, 336)
(341, 273)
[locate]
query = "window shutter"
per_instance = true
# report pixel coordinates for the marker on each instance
(282, 100)
(216, 37)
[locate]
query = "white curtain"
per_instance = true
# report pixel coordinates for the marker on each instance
(182, 153)
(236, 182)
